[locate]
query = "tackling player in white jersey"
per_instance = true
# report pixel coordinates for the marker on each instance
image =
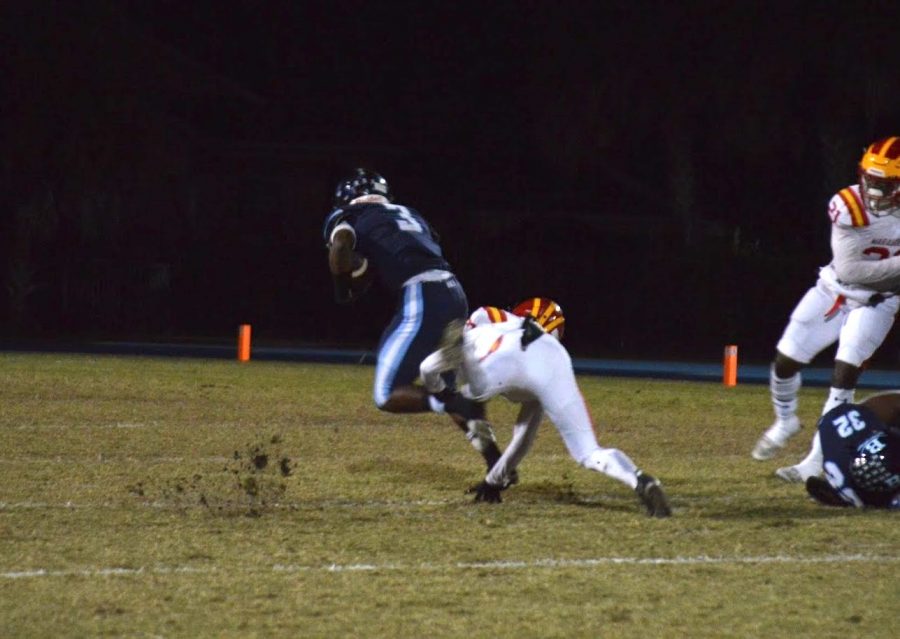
(518, 355)
(854, 302)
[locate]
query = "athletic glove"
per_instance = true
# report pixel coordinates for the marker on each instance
(487, 493)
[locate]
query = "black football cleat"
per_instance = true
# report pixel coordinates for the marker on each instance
(651, 494)
(820, 490)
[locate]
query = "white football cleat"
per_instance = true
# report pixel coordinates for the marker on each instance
(797, 474)
(775, 438)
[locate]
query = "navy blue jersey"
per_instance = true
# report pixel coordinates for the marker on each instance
(842, 430)
(395, 239)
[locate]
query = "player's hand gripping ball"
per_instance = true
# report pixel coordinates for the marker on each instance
(362, 276)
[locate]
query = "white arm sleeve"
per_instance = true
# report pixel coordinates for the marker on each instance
(847, 248)
(524, 432)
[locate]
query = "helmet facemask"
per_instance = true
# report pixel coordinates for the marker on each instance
(872, 468)
(879, 177)
(880, 194)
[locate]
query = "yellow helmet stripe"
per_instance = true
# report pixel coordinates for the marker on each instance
(545, 316)
(886, 145)
(495, 314)
(857, 214)
(554, 324)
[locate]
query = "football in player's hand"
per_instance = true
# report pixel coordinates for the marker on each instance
(362, 275)
(360, 264)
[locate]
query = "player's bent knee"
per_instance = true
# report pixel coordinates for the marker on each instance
(386, 403)
(403, 399)
(382, 400)
(786, 366)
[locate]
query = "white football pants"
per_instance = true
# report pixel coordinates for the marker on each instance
(860, 329)
(541, 378)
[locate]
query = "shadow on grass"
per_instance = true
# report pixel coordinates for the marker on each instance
(564, 494)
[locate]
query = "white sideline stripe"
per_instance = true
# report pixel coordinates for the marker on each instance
(461, 565)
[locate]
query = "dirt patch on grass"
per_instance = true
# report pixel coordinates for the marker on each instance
(253, 482)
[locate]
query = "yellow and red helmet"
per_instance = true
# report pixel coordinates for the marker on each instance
(545, 312)
(879, 177)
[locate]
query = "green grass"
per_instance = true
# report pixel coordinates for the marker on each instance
(134, 501)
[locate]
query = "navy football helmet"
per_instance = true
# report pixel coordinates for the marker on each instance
(874, 468)
(363, 182)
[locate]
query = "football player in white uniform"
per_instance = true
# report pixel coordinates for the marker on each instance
(854, 302)
(518, 354)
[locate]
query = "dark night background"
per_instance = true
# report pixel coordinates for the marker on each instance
(661, 169)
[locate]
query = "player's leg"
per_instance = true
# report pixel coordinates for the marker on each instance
(554, 383)
(414, 333)
(843, 390)
(785, 380)
(810, 330)
(552, 380)
(862, 333)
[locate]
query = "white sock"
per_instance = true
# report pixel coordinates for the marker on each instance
(814, 458)
(614, 463)
(838, 396)
(784, 394)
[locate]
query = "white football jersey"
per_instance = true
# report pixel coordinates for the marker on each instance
(487, 315)
(865, 248)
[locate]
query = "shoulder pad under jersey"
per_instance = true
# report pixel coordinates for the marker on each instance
(846, 208)
(487, 315)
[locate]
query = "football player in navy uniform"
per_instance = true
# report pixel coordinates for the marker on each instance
(861, 452)
(368, 235)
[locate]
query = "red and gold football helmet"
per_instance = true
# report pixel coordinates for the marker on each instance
(545, 312)
(879, 177)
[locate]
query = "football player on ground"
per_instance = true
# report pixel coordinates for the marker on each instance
(519, 355)
(861, 449)
(854, 302)
(366, 234)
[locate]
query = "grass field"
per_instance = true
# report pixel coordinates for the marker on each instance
(145, 497)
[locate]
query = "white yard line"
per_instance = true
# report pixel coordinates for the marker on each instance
(535, 564)
(190, 499)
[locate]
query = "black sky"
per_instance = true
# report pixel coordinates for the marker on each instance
(168, 135)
